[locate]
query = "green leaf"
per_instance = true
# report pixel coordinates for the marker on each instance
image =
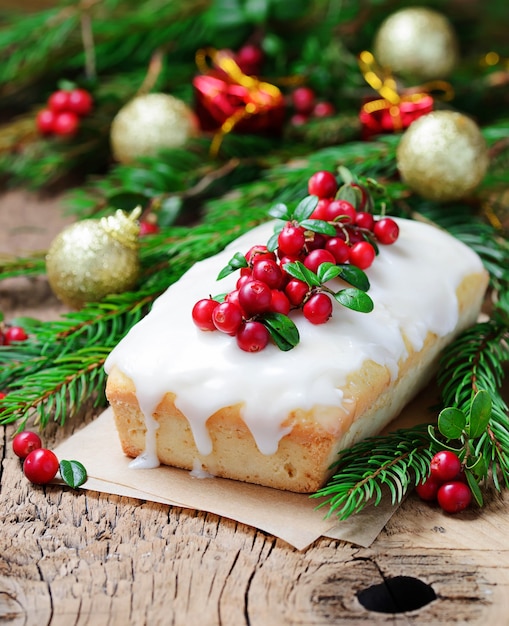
(451, 422)
(257, 10)
(480, 414)
(345, 174)
(73, 473)
(354, 276)
(319, 226)
(347, 192)
(298, 270)
(305, 208)
(355, 299)
(474, 487)
(272, 242)
(327, 271)
(282, 329)
(280, 211)
(237, 262)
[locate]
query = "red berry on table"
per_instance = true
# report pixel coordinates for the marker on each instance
(445, 465)
(41, 466)
(258, 252)
(291, 240)
(25, 442)
(202, 313)
(279, 302)
(45, 121)
(252, 336)
(250, 59)
(386, 230)
(323, 184)
(14, 333)
(255, 297)
(269, 272)
(362, 254)
(318, 308)
(454, 496)
(428, 489)
(227, 317)
(341, 211)
(296, 290)
(66, 124)
(303, 100)
(316, 257)
(80, 102)
(320, 210)
(339, 249)
(364, 220)
(323, 109)
(59, 101)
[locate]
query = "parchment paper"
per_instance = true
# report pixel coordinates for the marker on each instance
(292, 517)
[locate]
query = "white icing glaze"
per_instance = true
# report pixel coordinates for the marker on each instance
(207, 371)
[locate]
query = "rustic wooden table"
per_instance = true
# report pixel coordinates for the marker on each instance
(82, 557)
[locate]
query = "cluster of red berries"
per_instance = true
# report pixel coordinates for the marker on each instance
(65, 108)
(446, 483)
(10, 334)
(265, 285)
(40, 465)
(306, 105)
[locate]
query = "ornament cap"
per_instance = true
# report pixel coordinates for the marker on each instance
(122, 227)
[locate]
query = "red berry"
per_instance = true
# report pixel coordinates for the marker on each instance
(316, 257)
(428, 489)
(2, 395)
(255, 297)
(25, 442)
(252, 336)
(318, 308)
(291, 239)
(66, 124)
(79, 102)
(40, 466)
(454, 496)
(303, 100)
(323, 109)
(323, 184)
(268, 272)
(14, 333)
(362, 254)
(386, 230)
(250, 59)
(320, 210)
(445, 465)
(202, 313)
(59, 101)
(364, 220)
(341, 211)
(279, 302)
(257, 253)
(243, 279)
(299, 119)
(339, 249)
(227, 317)
(296, 290)
(45, 121)
(148, 228)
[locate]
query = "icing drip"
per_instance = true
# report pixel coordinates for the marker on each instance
(207, 371)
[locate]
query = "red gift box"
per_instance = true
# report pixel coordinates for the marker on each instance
(227, 100)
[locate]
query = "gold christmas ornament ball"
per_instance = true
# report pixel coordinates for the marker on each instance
(417, 43)
(442, 156)
(94, 258)
(150, 123)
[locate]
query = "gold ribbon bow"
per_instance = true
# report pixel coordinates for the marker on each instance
(387, 88)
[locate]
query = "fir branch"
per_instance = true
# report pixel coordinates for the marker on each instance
(398, 461)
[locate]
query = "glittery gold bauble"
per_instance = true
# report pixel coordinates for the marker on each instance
(150, 123)
(94, 258)
(442, 156)
(417, 43)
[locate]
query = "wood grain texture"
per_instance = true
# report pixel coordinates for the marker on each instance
(83, 558)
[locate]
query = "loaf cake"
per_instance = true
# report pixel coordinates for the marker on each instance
(194, 400)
